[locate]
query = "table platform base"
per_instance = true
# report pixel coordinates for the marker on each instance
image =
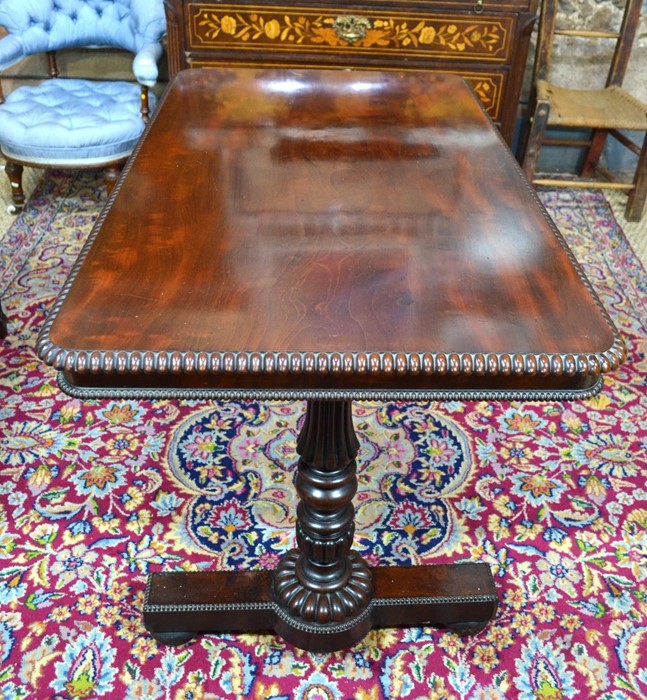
(180, 605)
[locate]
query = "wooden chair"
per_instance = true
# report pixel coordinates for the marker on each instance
(610, 110)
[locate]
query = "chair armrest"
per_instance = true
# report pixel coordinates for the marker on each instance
(145, 63)
(11, 51)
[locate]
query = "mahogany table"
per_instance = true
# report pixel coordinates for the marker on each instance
(329, 236)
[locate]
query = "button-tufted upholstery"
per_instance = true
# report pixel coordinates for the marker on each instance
(71, 123)
(75, 123)
(48, 25)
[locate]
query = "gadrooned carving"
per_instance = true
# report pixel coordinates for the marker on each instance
(322, 606)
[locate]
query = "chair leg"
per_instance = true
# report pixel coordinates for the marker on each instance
(535, 138)
(637, 196)
(594, 152)
(3, 323)
(14, 173)
(111, 177)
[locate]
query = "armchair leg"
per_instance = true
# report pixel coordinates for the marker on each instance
(111, 177)
(14, 173)
(637, 196)
(536, 136)
(3, 323)
(594, 152)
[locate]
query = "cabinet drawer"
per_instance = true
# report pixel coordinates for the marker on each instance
(455, 37)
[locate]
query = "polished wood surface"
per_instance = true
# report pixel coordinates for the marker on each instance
(484, 41)
(444, 595)
(327, 230)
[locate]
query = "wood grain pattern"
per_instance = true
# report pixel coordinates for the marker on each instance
(327, 230)
(489, 85)
(180, 605)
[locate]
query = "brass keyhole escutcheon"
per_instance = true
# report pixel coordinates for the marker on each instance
(351, 28)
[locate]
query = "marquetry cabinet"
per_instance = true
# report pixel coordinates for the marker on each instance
(485, 41)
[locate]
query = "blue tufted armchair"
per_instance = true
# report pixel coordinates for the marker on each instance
(73, 123)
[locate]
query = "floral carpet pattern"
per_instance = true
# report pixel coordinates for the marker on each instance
(95, 495)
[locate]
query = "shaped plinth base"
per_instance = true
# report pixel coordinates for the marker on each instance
(178, 605)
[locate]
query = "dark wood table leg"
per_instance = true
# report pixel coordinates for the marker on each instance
(322, 596)
(324, 588)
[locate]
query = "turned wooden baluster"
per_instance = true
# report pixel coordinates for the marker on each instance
(323, 587)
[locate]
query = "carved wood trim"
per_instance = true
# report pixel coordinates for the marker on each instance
(324, 373)
(91, 393)
(438, 364)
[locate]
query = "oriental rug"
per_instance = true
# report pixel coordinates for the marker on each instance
(95, 495)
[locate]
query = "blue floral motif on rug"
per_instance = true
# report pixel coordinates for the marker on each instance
(237, 471)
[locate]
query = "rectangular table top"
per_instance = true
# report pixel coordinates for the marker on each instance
(309, 232)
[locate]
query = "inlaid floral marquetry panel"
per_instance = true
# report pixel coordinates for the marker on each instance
(302, 29)
(489, 90)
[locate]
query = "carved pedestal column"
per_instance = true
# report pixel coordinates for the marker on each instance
(322, 595)
(322, 589)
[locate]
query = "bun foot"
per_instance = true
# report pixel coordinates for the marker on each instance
(173, 639)
(466, 629)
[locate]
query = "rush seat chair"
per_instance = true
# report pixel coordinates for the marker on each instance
(605, 111)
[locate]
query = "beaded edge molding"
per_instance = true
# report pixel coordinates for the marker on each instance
(140, 394)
